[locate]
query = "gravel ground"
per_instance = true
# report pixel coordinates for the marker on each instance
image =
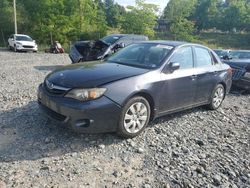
(195, 148)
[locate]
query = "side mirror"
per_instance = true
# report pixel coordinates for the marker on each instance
(174, 66)
(34, 41)
(120, 45)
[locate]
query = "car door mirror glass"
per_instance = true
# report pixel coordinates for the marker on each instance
(174, 66)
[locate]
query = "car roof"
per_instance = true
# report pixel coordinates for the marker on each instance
(125, 35)
(21, 35)
(170, 43)
(240, 51)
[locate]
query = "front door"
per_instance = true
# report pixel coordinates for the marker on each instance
(179, 86)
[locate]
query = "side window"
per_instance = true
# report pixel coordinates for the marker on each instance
(203, 57)
(183, 56)
(215, 61)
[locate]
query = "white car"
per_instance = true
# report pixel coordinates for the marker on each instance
(18, 42)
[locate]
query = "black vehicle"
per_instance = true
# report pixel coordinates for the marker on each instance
(134, 86)
(100, 49)
(222, 53)
(239, 61)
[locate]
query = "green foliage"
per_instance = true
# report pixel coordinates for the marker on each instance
(177, 13)
(182, 29)
(187, 17)
(140, 19)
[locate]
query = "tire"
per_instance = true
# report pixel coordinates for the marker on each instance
(15, 49)
(217, 97)
(133, 121)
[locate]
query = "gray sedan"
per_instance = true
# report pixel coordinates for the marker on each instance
(134, 86)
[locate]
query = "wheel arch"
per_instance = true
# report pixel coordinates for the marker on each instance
(148, 97)
(225, 87)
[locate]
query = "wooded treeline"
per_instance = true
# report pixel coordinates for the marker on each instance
(71, 20)
(187, 18)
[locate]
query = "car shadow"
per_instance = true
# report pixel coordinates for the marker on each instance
(27, 134)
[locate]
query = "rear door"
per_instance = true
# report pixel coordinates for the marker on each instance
(207, 72)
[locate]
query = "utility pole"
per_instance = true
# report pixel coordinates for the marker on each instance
(14, 5)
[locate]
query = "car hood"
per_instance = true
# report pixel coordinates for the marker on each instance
(28, 43)
(243, 63)
(92, 74)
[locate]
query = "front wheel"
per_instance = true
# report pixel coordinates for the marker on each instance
(134, 118)
(217, 97)
(15, 48)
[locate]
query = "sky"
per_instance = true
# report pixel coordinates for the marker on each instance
(162, 3)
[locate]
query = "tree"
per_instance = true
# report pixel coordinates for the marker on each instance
(178, 13)
(140, 19)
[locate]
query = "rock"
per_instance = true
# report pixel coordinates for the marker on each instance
(199, 170)
(2, 184)
(117, 174)
(140, 150)
(217, 180)
(44, 168)
(175, 154)
(146, 186)
(101, 146)
(199, 142)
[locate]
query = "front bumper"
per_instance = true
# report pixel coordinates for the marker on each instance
(23, 48)
(97, 116)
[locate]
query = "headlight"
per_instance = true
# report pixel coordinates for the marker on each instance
(86, 94)
(19, 43)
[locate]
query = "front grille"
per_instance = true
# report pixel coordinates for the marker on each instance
(26, 46)
(54, 89)
(51, 113)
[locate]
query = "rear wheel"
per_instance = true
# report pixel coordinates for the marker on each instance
(217, 97)
(134, 118)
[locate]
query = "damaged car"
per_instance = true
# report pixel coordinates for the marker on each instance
(83, 51)
(239, 61)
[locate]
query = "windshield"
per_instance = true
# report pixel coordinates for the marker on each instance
(142, 55)
(240, 55)
(23, 38)
(110, 39)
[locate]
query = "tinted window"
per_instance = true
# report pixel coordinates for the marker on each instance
(110, 39)
(203, 57)
(184, 57)
(142, 55)
(240, 55)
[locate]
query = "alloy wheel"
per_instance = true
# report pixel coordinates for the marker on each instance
(135, 117)
(218, 97)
